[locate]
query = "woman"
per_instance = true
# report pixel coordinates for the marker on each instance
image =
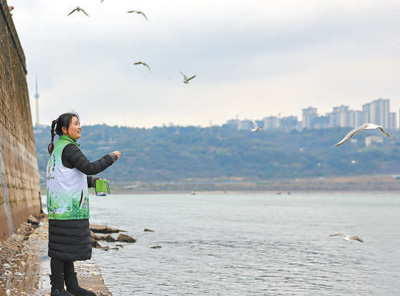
(68, 180)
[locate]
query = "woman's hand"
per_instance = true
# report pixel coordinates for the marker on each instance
(118, 154)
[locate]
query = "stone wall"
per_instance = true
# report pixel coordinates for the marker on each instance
(19, 175)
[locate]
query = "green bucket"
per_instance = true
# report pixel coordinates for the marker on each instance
(102, 186)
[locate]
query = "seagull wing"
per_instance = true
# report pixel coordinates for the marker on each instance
(191, 78)
(140, 12)
(84, 12)
(352, 133)
(144, 64)
(72, 11)
(357, 238)
(255, 125)
(184, 76)
(383, 131)
(337, 234)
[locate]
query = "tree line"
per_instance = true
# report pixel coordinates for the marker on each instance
(174, 153)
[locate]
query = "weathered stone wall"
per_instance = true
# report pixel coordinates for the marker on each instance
(19, 176)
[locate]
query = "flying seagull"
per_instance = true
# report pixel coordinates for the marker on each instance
(365, 126)
(77, 9)
(144, 64)
(138, 12)
(186, 80)
(348, 238)
(256, 128)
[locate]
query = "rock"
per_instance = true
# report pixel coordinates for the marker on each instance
(148, 230)
(109, 239)
(155, 247)
(126, 238)
(95, 243)
(94, 236)
(104, 229)
(33, 220)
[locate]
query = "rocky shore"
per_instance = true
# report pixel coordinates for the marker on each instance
(122, 238)
(25, 266)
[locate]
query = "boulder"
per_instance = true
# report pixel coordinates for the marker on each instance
(109, 239)
(95, 243)
(104, 229)
(126, 238)
(94, 236)
(148, 230)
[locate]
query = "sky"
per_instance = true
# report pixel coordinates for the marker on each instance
(251, 58)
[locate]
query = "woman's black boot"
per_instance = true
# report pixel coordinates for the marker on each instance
(57, 286)
(71, 282)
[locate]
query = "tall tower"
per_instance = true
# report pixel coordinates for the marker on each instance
(37, 105)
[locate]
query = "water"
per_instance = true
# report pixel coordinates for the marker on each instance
(252, 244)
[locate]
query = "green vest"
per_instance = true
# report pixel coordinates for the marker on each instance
(67, 189)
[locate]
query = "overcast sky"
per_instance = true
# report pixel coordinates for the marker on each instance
(252, 58)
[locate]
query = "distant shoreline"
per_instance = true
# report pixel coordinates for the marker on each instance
(237, 185)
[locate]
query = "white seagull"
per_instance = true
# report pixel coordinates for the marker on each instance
(348, 238)
(186, 80)
(77, 9)
(256, 128)
(365, 126)
(142, 63)
(138, 12)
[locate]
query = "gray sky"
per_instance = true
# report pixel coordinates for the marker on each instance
(252, 58)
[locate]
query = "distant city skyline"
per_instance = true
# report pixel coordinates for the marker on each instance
(377, 111)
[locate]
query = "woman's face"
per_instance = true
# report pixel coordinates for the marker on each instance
(74, 129)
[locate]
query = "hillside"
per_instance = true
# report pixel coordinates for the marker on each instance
(171, 154)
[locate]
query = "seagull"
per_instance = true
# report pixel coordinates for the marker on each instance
(367, 126)
(186, 80)
(138, 12)
(141, 63)
(77, 9)
(348, 238)
(256, 128)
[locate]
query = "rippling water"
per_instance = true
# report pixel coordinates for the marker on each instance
(252, 244)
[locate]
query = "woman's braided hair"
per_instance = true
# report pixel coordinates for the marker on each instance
(64, 120)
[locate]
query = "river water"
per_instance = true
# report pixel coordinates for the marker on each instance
(252, 244)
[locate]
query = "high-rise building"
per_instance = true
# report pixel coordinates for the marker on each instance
(244, 125)
(308, 115)
(377, 112)
(271, 122)
(392, 120)
(320, 122)
(339, 116)
(355, 118)
(289, 123)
